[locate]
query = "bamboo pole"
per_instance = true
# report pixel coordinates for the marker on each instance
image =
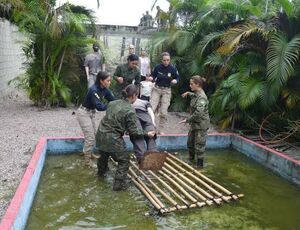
(195, 186)
(185, 193)
(197, 179)
(145, 190)
(179, 181)
(167, 197)
(202, 176)
(152, 201)
(170, 189)
(162, 206)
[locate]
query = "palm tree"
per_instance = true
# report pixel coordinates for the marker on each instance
(55, 35)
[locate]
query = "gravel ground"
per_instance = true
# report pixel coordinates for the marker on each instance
(22, 126)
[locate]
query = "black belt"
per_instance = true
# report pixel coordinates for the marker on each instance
(162, 87)
(86, 109)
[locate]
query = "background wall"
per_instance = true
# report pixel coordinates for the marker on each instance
(11, 57)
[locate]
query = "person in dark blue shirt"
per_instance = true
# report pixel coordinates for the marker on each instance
(96, 99)
(164, 75)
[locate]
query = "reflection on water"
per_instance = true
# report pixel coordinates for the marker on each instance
(70, 196)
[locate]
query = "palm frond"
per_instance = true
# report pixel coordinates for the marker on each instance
(208, 39)
(251, 91)
(215, 59)
(182, 40)
(233, 36)
(291, 93)
(287, 6)
(281, 58)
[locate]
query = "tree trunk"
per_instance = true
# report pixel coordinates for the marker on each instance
(61, 61)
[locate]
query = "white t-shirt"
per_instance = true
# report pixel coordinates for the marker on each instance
(146, 88)
(144, 65)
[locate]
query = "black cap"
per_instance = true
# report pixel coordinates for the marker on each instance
(95, 46)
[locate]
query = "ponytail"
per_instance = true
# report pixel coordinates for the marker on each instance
(129, 91)
(198, 80)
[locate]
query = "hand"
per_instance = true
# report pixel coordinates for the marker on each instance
(184, 94)
(174, 81)
(149, 78)
(151, 133)
(182, 121)
(120, 80)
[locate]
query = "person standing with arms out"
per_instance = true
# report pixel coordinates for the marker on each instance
(119, 118)
(94, 100)
(127, 74)
(198, 120)
(93, 63)
(164, 75)
(146, 79)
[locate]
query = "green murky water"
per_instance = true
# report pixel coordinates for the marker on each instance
(71, 197)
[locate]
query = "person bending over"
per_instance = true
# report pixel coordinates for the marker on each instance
(119, 118)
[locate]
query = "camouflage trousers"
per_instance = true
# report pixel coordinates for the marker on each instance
(160, 102)
(123, 159)
(143, 122)
(86, 120)
(196, 143)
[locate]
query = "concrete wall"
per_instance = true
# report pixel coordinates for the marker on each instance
(19, 208)
(11, 56)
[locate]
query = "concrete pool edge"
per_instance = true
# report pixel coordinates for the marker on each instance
(17, 213)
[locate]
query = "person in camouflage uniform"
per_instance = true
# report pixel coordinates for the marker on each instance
(198, 120)
(127, 74)
(120, 117)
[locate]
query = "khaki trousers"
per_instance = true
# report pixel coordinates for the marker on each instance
(160, 102)
(87, 123)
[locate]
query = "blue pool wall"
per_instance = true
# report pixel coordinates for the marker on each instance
(19, 208)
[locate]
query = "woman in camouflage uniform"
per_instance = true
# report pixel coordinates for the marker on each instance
(120, 117)
(198, 120)
(127, 74)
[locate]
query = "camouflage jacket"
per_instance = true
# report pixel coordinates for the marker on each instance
(119, 117)
(129, 75)
(199, 118)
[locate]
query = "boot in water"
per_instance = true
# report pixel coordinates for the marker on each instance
(200, 163)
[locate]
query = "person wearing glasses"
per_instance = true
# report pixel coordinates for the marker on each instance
(127, 74)
(164, 75)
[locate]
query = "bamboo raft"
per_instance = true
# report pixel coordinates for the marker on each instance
(178, 186)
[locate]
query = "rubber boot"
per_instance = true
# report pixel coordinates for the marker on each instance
(200, 163)
(191, 157)
(88, 160)
(102, 173)
(118, 185)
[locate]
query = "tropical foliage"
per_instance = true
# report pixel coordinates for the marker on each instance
(247, 50)
(56, 39)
